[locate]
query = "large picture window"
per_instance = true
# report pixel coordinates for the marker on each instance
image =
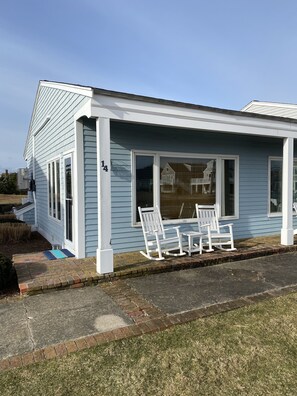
(54, 200)
(176, 183)
(275, 187)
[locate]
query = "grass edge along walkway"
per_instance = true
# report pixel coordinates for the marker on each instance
(249, 351)
(149, 326)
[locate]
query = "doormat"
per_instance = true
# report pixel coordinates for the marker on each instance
(57, 254)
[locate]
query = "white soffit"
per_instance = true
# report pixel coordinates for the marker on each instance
(123, 109)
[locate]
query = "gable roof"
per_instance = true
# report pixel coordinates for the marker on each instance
(286, 110)
(150, 99)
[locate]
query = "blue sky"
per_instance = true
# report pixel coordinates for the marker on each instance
(215, 53)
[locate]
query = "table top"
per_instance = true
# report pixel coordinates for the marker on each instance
(192, 233)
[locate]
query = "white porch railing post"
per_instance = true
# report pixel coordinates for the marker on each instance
(287, 232)
(104, 262)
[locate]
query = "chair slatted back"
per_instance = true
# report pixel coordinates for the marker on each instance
(207, 214)
(151, 220)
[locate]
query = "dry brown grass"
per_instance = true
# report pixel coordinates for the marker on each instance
(251, 351)
(6, 217)
(14, 232)
(6, 199)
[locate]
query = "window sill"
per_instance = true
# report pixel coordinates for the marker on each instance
(278, 214)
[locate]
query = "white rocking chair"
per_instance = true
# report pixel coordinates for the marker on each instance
(154, 235)
(215, 234)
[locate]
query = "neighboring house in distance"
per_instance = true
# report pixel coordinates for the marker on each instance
(95, 155)
(23, 179)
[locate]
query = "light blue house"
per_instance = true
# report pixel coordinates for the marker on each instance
(94, 156)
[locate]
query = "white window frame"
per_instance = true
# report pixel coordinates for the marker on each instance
(54, 197)
(270, 159)
(156, 180)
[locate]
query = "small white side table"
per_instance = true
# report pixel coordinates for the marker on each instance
(191, 235)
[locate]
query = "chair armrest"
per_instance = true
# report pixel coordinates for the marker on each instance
(205, 225)
(176, 228)
(226, 225)
(172, 228)
(230, 225)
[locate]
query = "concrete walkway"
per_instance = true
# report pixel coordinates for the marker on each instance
(44, 326)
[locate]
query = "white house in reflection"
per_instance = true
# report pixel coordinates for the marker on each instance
(191, 178)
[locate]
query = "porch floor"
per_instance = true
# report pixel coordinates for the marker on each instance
(37, 274)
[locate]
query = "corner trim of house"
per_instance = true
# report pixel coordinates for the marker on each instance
(79, 192)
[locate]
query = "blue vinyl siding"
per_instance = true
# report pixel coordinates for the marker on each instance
(90, 187)
(253, 153)
(51, 142)
(29, 217)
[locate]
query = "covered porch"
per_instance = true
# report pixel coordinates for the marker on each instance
(166, 114)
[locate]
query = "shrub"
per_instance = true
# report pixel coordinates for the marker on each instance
(6, 217)
(6, 272)
(12, 221)
(6, 208)
(14, 232)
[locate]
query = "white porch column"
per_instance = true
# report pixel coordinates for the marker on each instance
(287, 233)
(104, 263)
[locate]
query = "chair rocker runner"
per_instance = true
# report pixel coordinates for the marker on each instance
(295, 211)
(215, 234)
(155, 235)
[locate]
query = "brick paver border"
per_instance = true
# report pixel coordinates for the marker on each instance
(152, 324)
(85, 278)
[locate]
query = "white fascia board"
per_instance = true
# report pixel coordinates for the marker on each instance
(174, 116)
(246, 107)
(25, 209)
(80, 90)
(31, 121)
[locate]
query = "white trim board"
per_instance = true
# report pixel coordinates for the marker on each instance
(195, 119)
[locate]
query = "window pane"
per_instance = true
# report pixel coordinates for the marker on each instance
(58, 190)
(49, 189)
(68, 178)
(228, 190)
(185, 182)
(68, 197)
(53, 189)
(295, 182)
(275, 186)
(144, 182)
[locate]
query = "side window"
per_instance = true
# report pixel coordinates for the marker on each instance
(54, 199)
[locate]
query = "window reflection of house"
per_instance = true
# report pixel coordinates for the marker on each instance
(189, 177)
(206, 182)
(174, 176)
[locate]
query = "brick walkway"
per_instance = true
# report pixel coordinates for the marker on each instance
(36, 274)
(147, 319)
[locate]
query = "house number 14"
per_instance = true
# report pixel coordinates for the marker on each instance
(104, 167)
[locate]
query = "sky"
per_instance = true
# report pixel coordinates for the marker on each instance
(219, 53)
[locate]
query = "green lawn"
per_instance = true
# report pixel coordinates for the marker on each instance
(250, 351)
